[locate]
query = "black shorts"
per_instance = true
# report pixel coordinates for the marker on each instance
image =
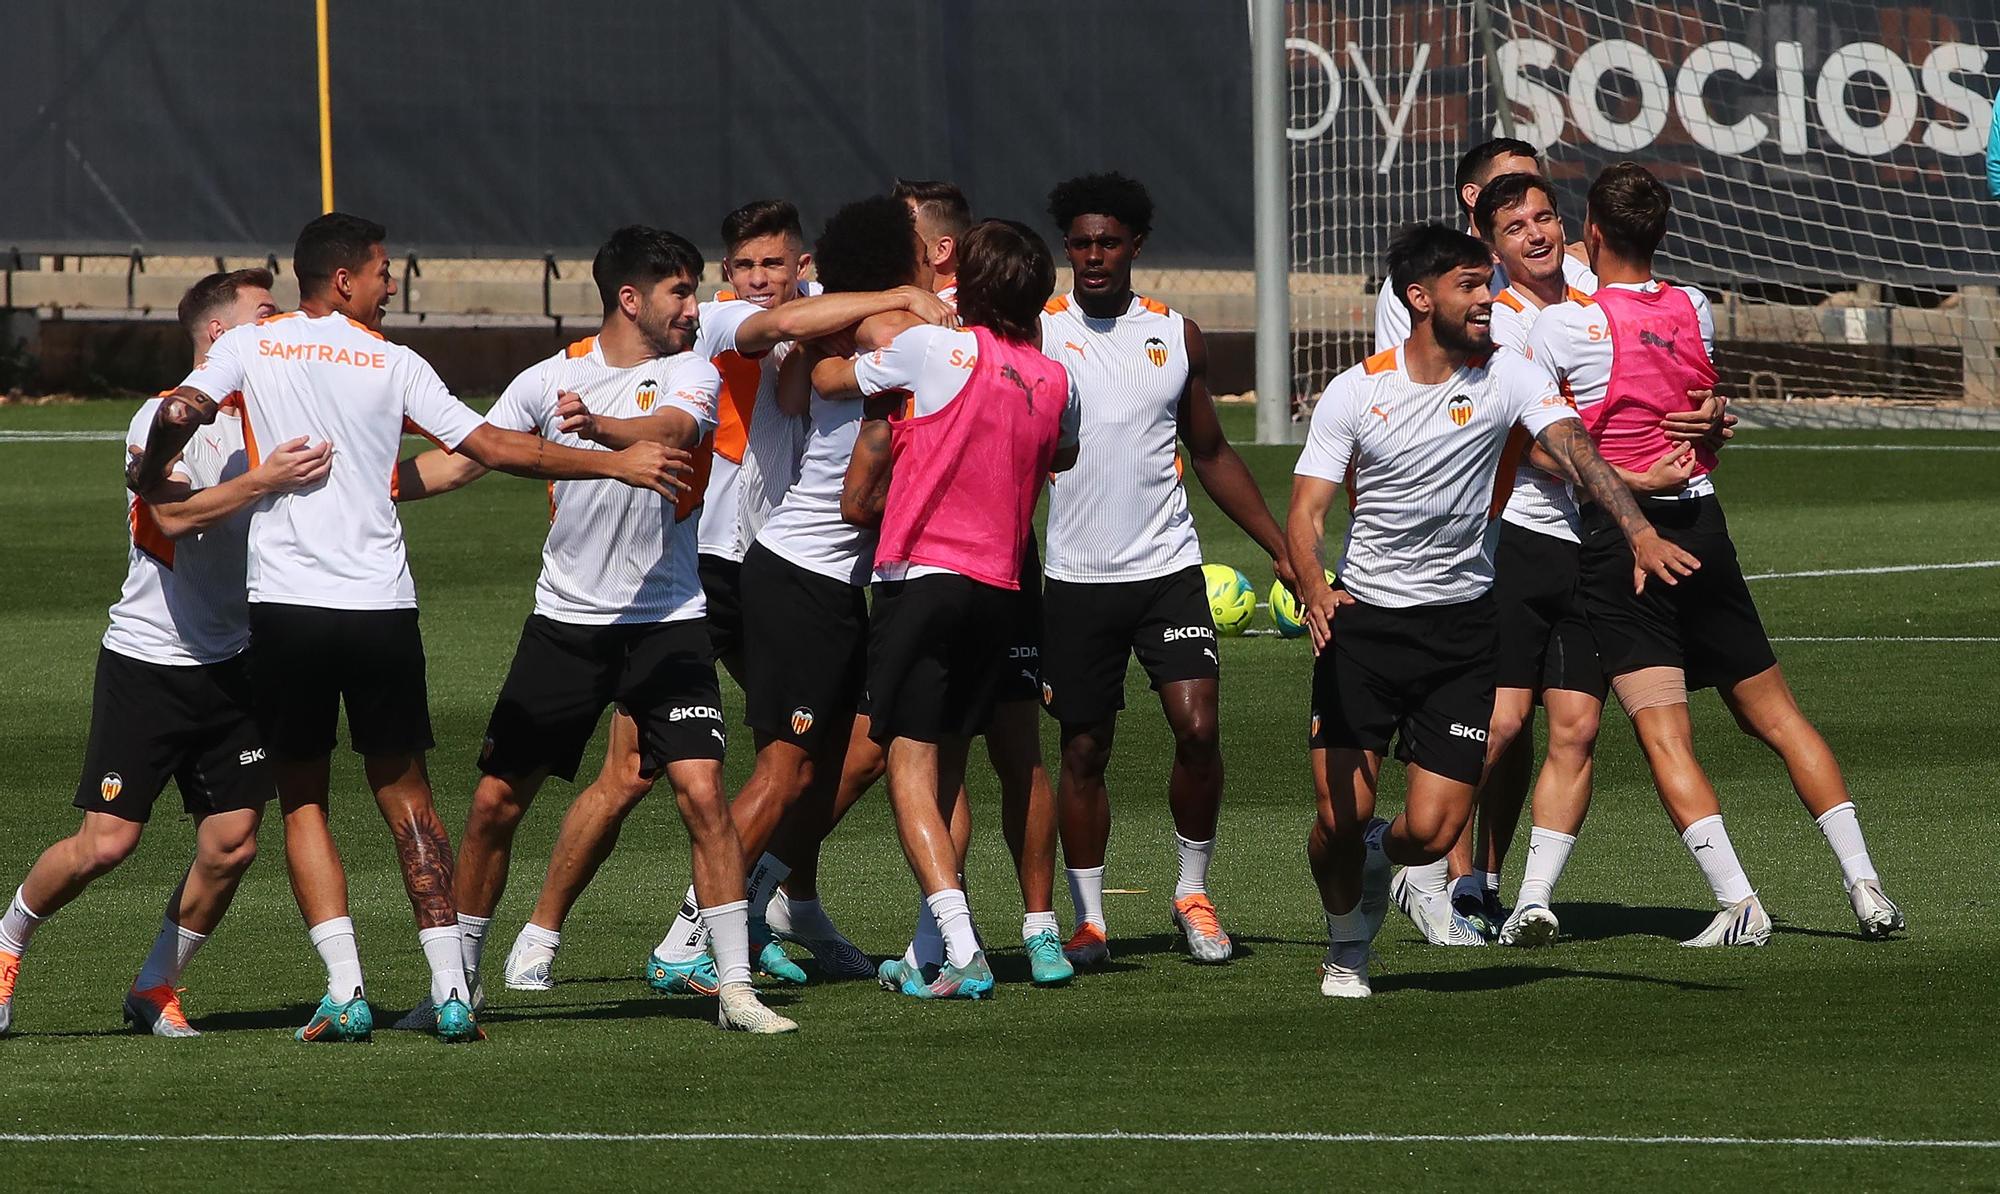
(308, 660)
(1022, 679)
(1706, 625)
(563, 675)
(1090, 630)
(152, 722)
(805, 650)
(722, 587)
(1422, 674)
(936, 657)
(1544, 637)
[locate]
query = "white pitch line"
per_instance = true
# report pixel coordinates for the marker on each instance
(59, 437)
(1876, 571)
(1864, 448)
(1888, 638)
(1112, 1137)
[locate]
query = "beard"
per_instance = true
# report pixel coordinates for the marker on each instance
(1458, 339)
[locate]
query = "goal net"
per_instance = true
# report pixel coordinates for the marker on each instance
(1826, 159)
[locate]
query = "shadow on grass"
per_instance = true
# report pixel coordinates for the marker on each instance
(1501, 978)
(1606, 922)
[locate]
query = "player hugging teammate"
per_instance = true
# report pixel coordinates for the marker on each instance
(1529, 456)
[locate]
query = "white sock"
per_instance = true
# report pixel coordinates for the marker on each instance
(334, 939)
(1345, 927)
(442, 949)
(171, 951)
(764, 880)
(729, 936)
(1432, 878)
(1086, 892)
(18, 925)
(687, 938)
(1843, 832)
(1467, 885)
(1708, 841)
(954, 918)
(472, 942)
(1039, 922)
(927, 942)
(1489, 882)
(1194, 858)
(1548, 852)
(803, 918)
(532, 944)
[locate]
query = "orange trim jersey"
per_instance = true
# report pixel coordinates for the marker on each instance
(614, 553)
(337, 544)
(182, 603)
(1422, 464)
(1121, 514)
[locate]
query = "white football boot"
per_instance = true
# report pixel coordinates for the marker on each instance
(1877, 913)
(738, 1009)
(1344, 973)
(1742, 923)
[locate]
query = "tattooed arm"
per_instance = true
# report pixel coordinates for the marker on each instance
(865, 490)
(1568, 444)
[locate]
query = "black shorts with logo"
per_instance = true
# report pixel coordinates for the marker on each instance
(308, 661)
(151, 722)
(1423, 675)
(1706, 625)
(1545, 639)
(936, 657)
(1090, 630)
(564, 674)
(1022, 679)
(805, 650)
(722, 587)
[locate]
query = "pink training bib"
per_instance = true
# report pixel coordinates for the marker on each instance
(966, 477)
(1656, 357)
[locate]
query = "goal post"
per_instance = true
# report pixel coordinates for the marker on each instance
(1825, 157)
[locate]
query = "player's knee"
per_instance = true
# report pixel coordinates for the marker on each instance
(1085, 757)
(1572, 738)
(1197, 736)
(703, 808)
(230, 856)
(497, 806)
(103, 851)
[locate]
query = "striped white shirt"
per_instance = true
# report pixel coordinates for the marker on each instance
(1392, 318)
(1121, 514)
(183, 602)
(615, 553)
(1422, 465)
(1541, 501)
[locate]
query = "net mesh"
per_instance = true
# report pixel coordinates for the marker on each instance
(1826, 161)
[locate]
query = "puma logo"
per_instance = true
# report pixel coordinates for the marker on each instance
(1379, 413)
(1027, 391)
(1647, 336)
(1073, 346)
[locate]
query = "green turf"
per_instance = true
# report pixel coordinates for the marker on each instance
(1616, 1032)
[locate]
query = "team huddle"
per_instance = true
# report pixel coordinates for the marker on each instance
(829, 488)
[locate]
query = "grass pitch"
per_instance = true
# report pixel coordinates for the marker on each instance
(1614, 1033)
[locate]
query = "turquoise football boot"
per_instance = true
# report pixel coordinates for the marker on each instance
(350, 1021)
(696, 977)
(1047, 967)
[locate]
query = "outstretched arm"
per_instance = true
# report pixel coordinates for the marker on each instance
(642, 466)
(428, 474)
(672, 427)
(181, 510)
(818, 315)
(1569, 445)
(1217, 465)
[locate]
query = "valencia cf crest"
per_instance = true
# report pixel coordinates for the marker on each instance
(1314, 730)
(1156, 351)
(1048, 694)
(1461, 411)
(802, 720)
(649, 391)
(109, 787)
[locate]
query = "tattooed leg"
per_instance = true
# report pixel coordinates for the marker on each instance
(423, 849)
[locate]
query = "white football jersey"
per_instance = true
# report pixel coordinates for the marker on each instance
(1423, 469)
(1541, 501)
(615, 553)
(1572, 340)
(337, 544)
(183, 601)
(1392, 318)
(806, 528)
(1121, 513)
(757, 446)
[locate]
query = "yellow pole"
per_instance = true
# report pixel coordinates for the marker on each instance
(325, 113)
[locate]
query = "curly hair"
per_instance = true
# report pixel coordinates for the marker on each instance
(1123, 199)
(869, 244)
